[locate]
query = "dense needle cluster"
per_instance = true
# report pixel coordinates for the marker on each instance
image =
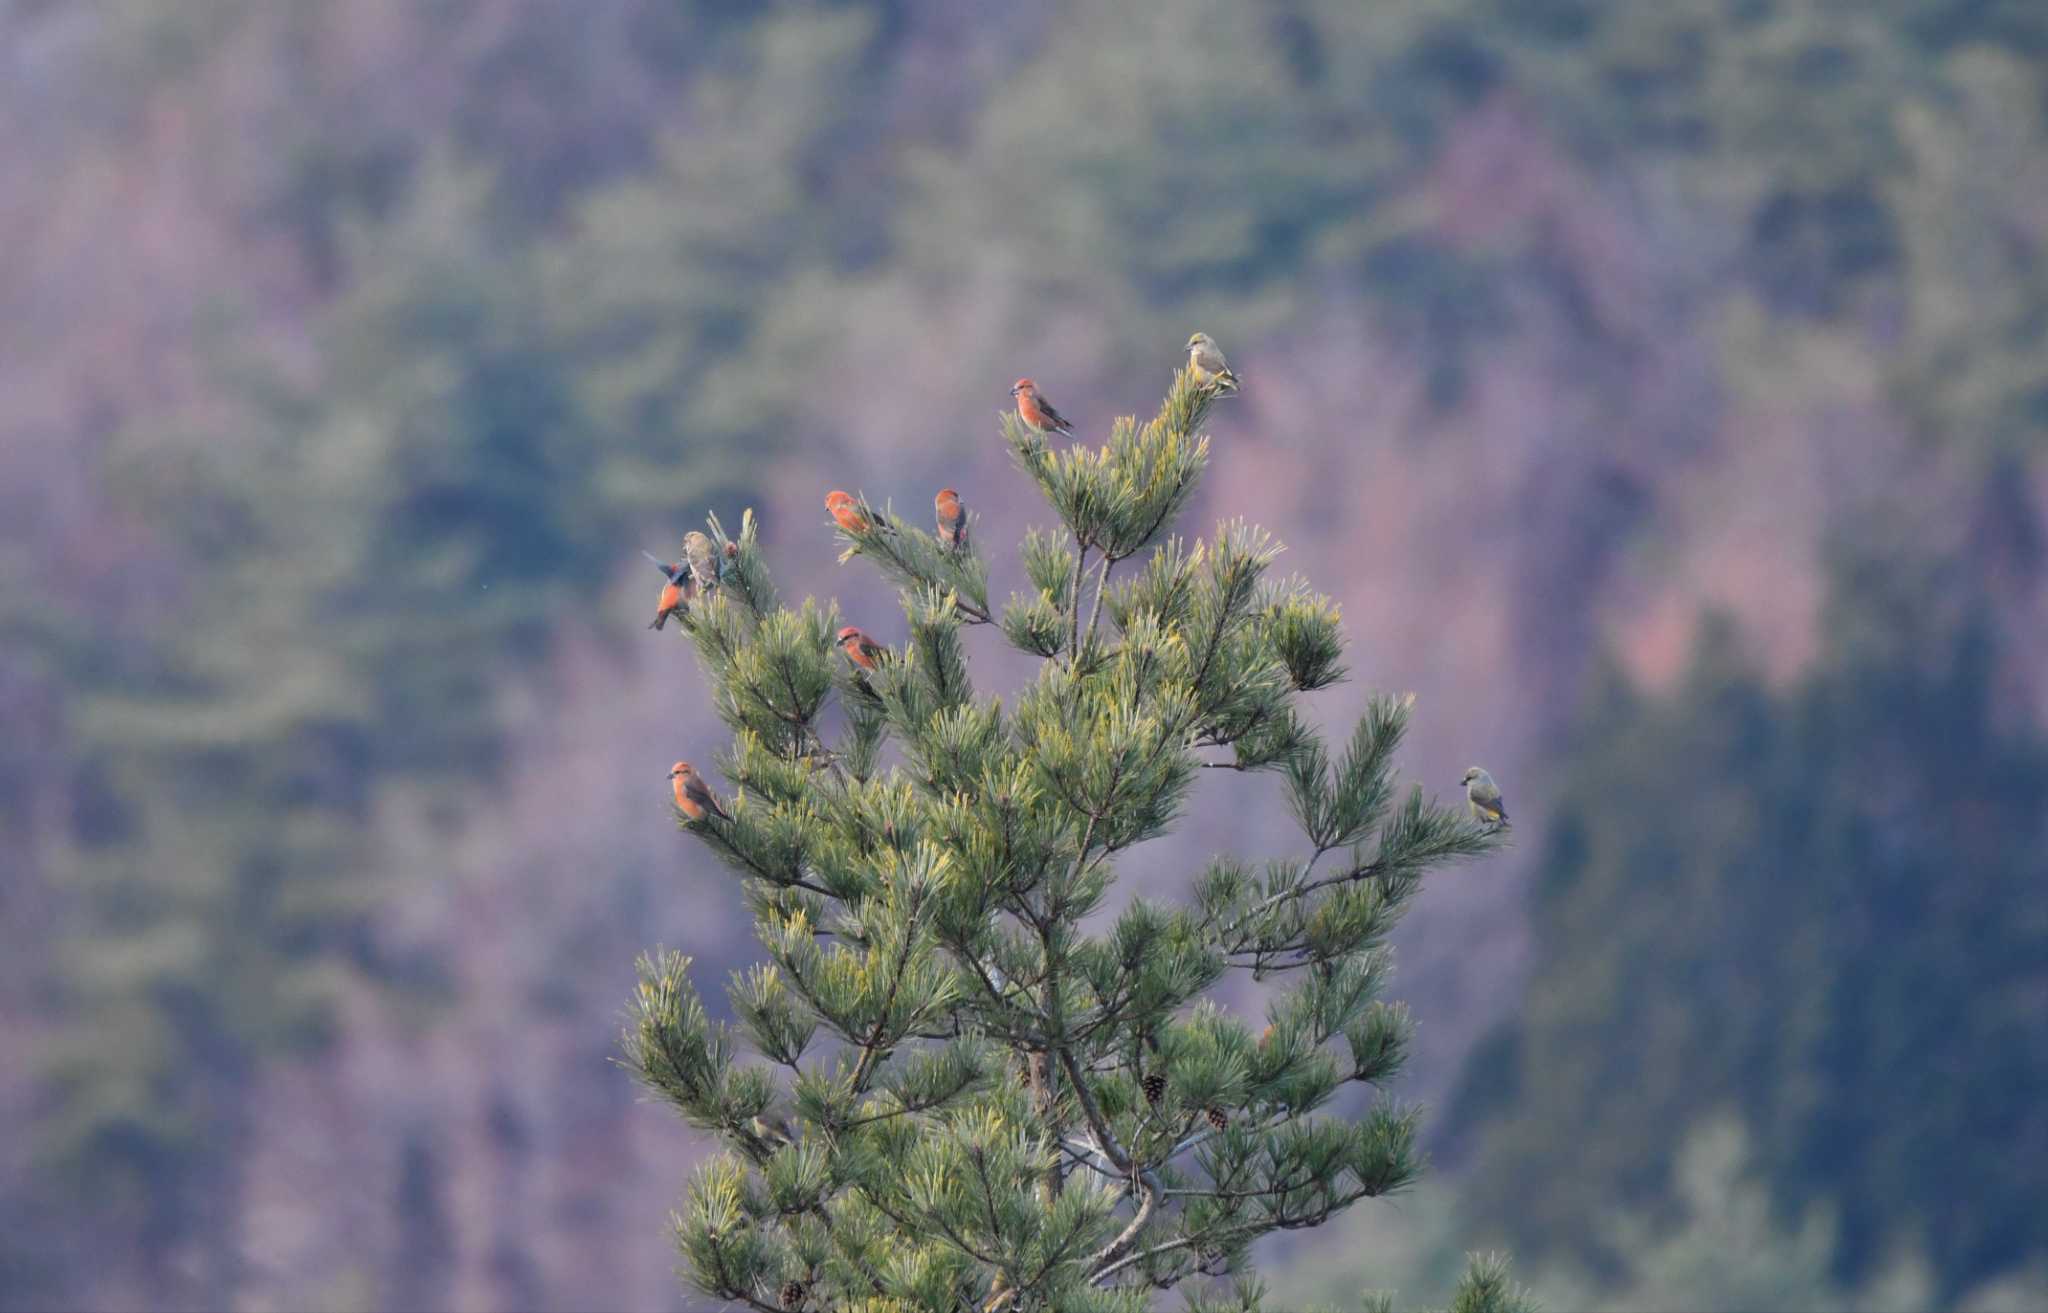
(991, 1083)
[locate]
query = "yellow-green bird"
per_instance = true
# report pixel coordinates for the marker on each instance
(773, 1130)
(1206, 363)
(702, 558)
(1484, 796)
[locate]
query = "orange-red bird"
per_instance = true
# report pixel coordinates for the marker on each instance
(1035, 410)
(863, 651)
(952, 519)
(677, 593)
(846, 511)
(693, 796)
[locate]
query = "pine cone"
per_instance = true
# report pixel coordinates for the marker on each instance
(792, 1294)
(1218, 1118)
(1155, 1088)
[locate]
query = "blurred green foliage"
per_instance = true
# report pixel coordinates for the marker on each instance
(359, 558)
(1729, 1250)
(1817, 906)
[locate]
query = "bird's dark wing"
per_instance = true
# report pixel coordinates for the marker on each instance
(701, 795)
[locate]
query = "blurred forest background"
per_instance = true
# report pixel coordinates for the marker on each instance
(1662, 388)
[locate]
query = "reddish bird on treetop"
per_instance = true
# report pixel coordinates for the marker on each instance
(863, 651)
(1035, 410)
(846, 511)
(952, 519)
(677, 593)
(693, 796)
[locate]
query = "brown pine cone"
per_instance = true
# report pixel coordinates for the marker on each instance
(792, 1294)
(1155, 1088)
(1218, 1118)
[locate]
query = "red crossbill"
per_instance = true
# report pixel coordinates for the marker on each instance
(1484, 796)
(846, 511)
(952, 519)
(1035, 410)
(677, 593)
(772, 1130)
(693, 796)
(863, 651)
(1206, 363)
(703, 559)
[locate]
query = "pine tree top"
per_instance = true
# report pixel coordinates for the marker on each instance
(952, 1084)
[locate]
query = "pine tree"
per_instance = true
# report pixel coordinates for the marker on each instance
(968, 1088)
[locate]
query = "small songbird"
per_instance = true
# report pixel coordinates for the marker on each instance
(1035, 410)
(677, 593)
(1484, 796)
(1206, 363)
(952, 519)
(693, 796)
(703, 560)
(846, 511)
(772, 1129)
(863, 651)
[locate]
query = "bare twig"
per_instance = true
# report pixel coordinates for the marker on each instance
(1101, 583)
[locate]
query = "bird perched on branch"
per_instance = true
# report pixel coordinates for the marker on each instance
(677, 593)
(693, 796)
(952, 516)
(846, 512)
(1206, 363)
(702, 558)
(772, 1129)
(1035, 410)
(1484, 796)
(863, 651)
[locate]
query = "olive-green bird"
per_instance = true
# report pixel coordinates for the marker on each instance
(1484, 795)
(702, 558)
(772, 1130)
(1206, 363)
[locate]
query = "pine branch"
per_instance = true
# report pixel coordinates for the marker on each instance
(1092, 1111)
(1074, 602)
(1095, 610)
(1246, 1231)
(1149, 1190)
(872, 1047)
